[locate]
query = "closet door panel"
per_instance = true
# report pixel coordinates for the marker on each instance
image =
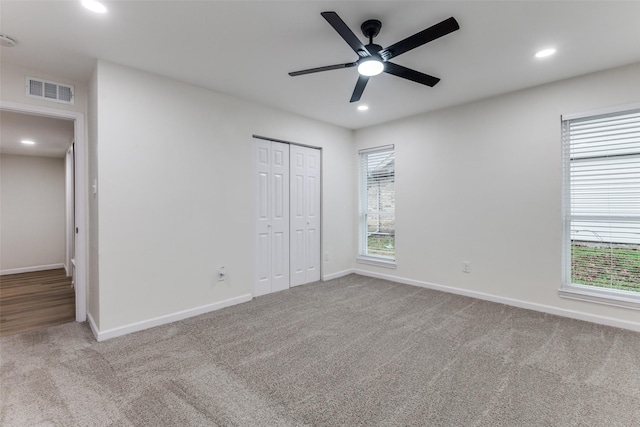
(272, 216)
(305, 215)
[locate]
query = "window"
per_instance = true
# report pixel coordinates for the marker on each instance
(377, 205)
(601, 156)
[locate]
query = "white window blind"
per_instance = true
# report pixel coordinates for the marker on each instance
(377, 203)
(601, 156)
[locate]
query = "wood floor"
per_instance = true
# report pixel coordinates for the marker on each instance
(30, 301)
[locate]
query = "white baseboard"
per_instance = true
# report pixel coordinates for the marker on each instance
(168, 318)
(31, 269)
(602, 320)
(337, 274)
(93, 326)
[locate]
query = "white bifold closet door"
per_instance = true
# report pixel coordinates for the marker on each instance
(305, 215)
(287, 183)
(272, 192)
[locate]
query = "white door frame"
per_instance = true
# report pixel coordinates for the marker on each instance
(70, 233)
(80, 192)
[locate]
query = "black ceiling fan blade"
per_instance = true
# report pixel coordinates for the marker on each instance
(409, 74)
(425, 36)
(327, 68)
(345, 32)
(360, 85)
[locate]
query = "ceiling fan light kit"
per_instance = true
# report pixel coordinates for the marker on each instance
(373, 59)
(370, 67)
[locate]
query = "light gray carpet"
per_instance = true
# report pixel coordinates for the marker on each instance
(352, 351)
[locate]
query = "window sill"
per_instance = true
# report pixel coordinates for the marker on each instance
(601, 296)
(380, 262)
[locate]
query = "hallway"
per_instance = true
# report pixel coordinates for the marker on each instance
(31, 301)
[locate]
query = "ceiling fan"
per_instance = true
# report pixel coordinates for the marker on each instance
(373, 59)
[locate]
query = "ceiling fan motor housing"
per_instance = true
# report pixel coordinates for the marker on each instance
(373, 49)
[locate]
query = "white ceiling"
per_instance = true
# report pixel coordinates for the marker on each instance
(246, 48)
(51, 136)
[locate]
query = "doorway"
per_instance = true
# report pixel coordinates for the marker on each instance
(77, 268)
(287, 196)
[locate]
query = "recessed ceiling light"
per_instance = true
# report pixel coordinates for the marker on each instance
(363, 107)
(545, 52)
(94, 6)
(27, 142)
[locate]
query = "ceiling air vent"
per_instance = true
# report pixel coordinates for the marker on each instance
(51, 91)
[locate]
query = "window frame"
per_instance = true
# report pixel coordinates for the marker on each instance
(570, 290)
(363, 212)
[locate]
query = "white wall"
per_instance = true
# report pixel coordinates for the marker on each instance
(12, 80)
(482, 183)
(32, 211)
(175, 193)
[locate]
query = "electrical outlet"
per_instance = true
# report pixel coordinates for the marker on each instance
(221, 274)
(466, 267)
(326, 256)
